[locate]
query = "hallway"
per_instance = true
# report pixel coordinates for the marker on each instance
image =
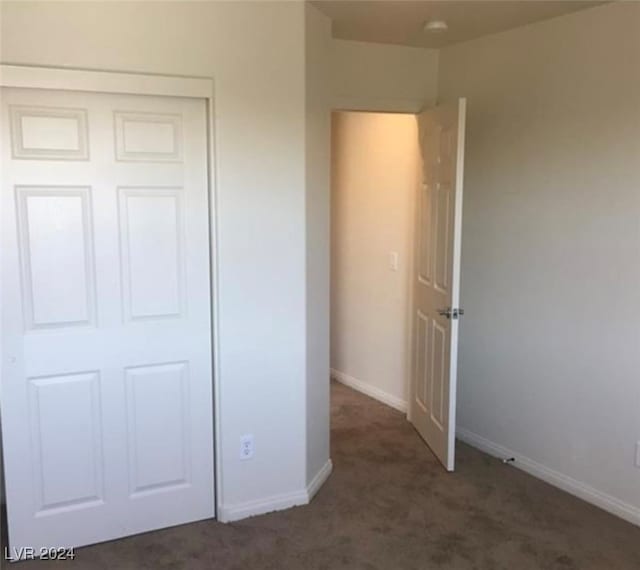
(390, 506)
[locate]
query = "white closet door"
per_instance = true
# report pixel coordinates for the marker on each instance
(106, 333)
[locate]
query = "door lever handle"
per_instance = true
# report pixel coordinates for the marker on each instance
(451, 313)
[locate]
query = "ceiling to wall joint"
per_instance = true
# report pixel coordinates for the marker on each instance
(402, 22)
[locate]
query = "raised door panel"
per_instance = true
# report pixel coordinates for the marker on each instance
(430, 144)
(446, 156)
(158, 427)
(441, 236)
(49, 133)
(152, 242)
(424, 235)
(437, 373)
(421, 370)
(56, 249)
(66, 436)
(148, 137)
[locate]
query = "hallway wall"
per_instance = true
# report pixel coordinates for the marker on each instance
(381, 77)
(375, 173)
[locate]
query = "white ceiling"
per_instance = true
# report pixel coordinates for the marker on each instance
(401, 21)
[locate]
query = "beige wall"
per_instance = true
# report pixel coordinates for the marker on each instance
(375, 167)
(550, 343)
(379, 77)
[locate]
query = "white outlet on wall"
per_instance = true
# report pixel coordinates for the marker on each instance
(246, 446)
(637, 453)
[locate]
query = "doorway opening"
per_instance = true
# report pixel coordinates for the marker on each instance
(375, 174)
(396, 231)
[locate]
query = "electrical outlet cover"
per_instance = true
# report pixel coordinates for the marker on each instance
(246, 446)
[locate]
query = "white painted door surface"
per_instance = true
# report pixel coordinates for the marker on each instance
(106, 337)
(437, 279)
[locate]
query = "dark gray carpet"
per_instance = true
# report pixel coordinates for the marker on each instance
(389, 505)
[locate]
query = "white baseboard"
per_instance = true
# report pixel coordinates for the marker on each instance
(585, 492)
(321, 476)
(371, 391)
(276, 502)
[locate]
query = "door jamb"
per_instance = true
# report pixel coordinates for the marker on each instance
(68, 79)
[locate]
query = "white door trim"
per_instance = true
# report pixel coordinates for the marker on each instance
(159, 85)
(105, 81)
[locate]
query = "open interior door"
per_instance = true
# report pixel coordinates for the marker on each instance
(437, 278)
